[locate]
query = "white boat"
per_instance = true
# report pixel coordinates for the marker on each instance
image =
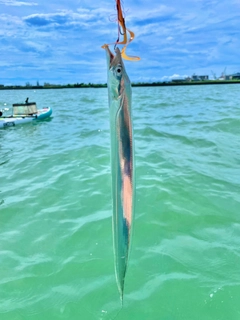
(24, 113)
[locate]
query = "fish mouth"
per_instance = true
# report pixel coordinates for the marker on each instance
(110, 56)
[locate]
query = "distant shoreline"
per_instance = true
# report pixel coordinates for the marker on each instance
(92, 85)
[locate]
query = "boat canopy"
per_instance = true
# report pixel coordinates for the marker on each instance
(25, 109)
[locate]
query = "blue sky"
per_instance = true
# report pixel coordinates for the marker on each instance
(60, 41)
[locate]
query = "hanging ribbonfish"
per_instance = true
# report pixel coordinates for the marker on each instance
(122, 160)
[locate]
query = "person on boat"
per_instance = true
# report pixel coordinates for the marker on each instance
(26, 100)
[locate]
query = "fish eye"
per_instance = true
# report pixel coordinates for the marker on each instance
(118, 70)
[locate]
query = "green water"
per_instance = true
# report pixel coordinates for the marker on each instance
(56, 254)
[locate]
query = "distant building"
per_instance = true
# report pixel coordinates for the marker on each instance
(199, 78)
(186, 79)
(235, 76)
(179, 80)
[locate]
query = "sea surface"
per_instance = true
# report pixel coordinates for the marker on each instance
(56, 251)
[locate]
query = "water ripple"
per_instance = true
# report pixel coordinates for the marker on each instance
(55, 207)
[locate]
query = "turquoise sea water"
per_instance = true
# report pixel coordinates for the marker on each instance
(56, 253)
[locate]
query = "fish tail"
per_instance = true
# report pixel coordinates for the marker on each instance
(121, 298)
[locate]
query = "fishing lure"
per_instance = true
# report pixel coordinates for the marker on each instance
(122, 30)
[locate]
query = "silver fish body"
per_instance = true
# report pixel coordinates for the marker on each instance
(122, 161)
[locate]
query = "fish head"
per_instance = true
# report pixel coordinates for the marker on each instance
(118, 81)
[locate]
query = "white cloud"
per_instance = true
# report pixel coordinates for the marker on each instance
(67, 18)
(174, 38)
(174, 77)
(17, 3)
